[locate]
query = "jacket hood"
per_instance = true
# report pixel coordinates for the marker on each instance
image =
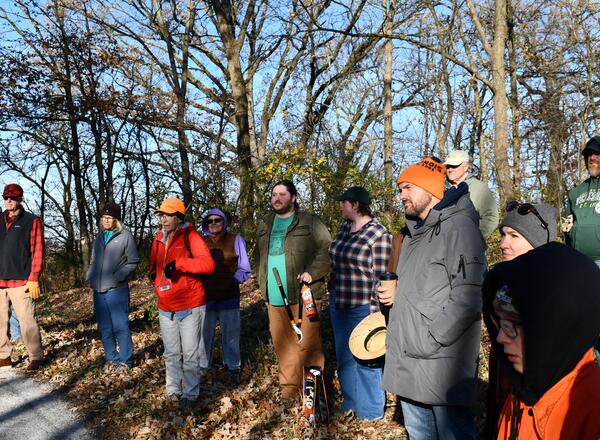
(554, 289)
(163, 236)
(456, 201)
(214, 211)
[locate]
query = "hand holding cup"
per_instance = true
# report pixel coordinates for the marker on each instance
(387, 288)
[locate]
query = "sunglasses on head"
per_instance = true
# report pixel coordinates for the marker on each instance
(214, 220)
(14, 199)
(526, 208)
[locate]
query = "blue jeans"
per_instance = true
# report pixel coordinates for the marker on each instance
(15, 328)
(230, 337)
(112, 314)
(181, 339)
(433, 422)
(361, 385)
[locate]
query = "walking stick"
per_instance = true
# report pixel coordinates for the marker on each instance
(295, 326)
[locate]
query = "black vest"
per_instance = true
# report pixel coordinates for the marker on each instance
(15, 249)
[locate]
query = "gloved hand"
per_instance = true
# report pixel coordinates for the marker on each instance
(169, 269)
(33, 287)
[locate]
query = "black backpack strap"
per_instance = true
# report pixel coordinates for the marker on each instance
(186, 239)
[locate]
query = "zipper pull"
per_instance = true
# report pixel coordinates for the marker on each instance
(462, 267)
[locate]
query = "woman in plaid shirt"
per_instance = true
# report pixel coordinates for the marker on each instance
(359, 254)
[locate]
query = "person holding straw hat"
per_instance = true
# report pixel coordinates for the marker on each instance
(359, 254)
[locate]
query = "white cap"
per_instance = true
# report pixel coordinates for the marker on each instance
(456, 157)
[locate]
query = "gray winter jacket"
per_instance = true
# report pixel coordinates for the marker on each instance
(112, 263)
(433, 333)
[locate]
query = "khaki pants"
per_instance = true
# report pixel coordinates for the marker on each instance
(30, 332)
(292, 354)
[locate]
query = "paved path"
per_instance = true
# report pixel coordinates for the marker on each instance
(30, 410)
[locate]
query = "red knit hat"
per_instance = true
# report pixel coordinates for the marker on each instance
(427, 174)
(13, 190)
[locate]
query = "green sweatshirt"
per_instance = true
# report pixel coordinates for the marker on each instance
(584, 205)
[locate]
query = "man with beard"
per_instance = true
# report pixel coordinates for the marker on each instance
(295, 243)
(433, 330)
(583, 209)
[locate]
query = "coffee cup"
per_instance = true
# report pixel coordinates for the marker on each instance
(387, 285)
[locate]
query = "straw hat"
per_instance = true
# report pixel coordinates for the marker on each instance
(367, 340)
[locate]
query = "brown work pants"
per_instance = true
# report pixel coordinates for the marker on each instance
(292, 354)
(30, 331)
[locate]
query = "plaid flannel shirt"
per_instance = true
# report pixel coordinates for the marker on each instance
(36, 246)
(357, 259)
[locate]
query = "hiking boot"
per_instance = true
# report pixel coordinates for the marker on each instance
(234, 377)
(34, 365)
(186, 405)
(6, 363)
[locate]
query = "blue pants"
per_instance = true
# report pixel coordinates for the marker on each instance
(112, 314)
(15, 328)
(361, 385)
(433, 422)
(230, 337)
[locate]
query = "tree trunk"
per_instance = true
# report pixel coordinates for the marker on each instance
(505, 183)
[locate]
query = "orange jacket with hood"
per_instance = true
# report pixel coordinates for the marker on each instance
(184, 290)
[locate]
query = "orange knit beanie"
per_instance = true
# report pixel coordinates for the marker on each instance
(427, 174)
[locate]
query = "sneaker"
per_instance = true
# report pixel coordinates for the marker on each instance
(34, 365)
(6, 363)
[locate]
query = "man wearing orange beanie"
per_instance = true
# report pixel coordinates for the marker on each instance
(433, 331)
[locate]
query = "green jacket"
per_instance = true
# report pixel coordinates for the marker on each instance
(485, 205)
(584, 205)
(306, 250)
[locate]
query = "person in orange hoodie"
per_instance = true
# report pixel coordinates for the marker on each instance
(542, 311)
(178, 258)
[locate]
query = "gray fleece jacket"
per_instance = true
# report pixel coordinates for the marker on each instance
(433, 332)
(112, 263)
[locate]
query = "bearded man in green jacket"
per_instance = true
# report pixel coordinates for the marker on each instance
(583, 209)
(296, 243)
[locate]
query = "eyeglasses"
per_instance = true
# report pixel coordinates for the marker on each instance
(507, 326)
(106, 218)
(163, 214)
(451, 167)
(214, 220)
(526, 208)
(14, 199)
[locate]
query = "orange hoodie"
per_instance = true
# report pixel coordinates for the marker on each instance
(570, 410)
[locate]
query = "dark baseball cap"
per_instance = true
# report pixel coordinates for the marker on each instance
(355, 194)
(592, 145)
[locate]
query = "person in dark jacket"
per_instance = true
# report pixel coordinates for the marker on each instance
(21, 264)
(542, 309)
(222, 289)
(433, 331)
(114, 260)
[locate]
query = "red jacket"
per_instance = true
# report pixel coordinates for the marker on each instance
(570, 410)
(184, 290)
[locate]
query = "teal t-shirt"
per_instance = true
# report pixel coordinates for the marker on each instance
(277, 259)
